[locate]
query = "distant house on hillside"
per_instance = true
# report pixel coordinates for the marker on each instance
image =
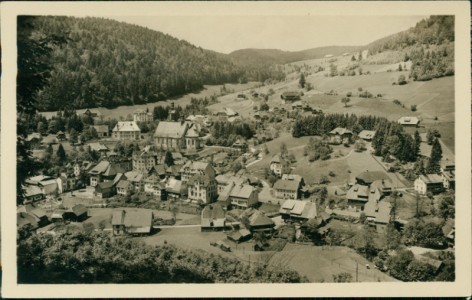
(429, 183)
(290, 96)
(128, 130)
(340, 135)
(367, 135)
(279, 166)
(409, 121)
(132, 221)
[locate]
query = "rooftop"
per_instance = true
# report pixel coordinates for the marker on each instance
(166, 129)
(126, 126)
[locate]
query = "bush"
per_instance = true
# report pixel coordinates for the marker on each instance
(332, 174)
(413, 107)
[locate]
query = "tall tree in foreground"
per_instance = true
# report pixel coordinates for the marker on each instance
(34, 51)
(169, 160)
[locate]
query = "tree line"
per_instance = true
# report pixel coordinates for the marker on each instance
(74, 256)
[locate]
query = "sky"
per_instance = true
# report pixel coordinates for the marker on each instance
(290, 33)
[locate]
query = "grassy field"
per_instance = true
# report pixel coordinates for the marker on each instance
(319, 264)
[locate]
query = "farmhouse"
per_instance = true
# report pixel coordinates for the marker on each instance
(290, 96)
(429, 183)
(47, 185)
(35, 213)
(132, 221)
(340, 135)
(286, 189)
(33, 193)
(367, 135)
(128, 130)
(279, 166)
(378, 214)
(141, 115)
(239, 235)
(409, 121)
(298, 211)
(213, 218)
(99, 148)
(367, 178)
(26, 221)
(202, 188)
(102, 130)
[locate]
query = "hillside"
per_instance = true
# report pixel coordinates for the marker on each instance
(107, 63)
(275, 56)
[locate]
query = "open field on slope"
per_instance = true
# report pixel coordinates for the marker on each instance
(319, 264)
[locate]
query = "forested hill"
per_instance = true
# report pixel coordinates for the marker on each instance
(108, 63)
(275, 56)
(429, 45)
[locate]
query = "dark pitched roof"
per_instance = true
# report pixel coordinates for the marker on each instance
(79, 209)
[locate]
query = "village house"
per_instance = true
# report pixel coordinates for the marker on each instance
(76, 213)
(196, 168)
(159, 171)
(241, 145)
(368, 177)
(286, 189)
(124, 188)
(176, 189)
(66, 182)
(136, 180)
(409, 121)
(126, 131)
(103, 172)
(141, 115)
(61, 136)
(279, 166)
(33, 193)
(238, 193)
(367, 135)
(105, 189)
(378, 214)
(202, 188)
(213, 218)
(240, 235)
(358, 195)
(340, 136)
(132, 221)
(260, 222)
(99, 148)
(153, 185)
(102, 130)
(47, 184)
(290, 96)
(143, 161)
(429, 183)
(224, 180)
(26, 221)
(448, 175)
(298, 211)
(36, 215)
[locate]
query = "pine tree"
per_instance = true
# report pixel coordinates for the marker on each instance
(61, 154)
(435, 159)
(417, 144)
(169, 160)
(302, 80)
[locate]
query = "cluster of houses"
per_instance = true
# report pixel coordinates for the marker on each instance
(31, 217)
